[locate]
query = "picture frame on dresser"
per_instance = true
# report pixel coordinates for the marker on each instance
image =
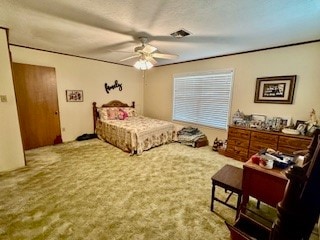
(302, 127)
(298, 122)
(311, 130)
(278, 89)
(286, 121)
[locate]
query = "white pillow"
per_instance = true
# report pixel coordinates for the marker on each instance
(103, 114)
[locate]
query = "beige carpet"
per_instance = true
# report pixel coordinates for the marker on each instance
(92, 190)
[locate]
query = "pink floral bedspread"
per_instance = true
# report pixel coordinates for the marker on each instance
(136, 134)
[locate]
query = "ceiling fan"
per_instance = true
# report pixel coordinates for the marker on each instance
(146, 55)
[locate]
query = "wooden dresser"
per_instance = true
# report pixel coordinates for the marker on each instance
(245, 142)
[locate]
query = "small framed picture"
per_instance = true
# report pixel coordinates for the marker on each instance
(299, 122)
(286, 121)
(276, 123)
(302, 128)
(74, 95)
(259, 117)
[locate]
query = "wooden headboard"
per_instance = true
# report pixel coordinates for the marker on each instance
(114, 103)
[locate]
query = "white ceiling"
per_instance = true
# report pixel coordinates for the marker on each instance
(91, 28)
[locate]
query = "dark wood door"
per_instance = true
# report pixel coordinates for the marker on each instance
(37, 101)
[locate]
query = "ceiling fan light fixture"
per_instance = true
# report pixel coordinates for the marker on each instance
(143, 64)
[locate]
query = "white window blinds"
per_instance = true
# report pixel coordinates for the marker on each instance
(203, 98)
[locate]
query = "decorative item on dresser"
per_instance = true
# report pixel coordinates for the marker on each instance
(244, 142)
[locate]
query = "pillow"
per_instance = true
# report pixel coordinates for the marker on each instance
(103, 114)
(113, 113)
(130, 111)
(122, 114)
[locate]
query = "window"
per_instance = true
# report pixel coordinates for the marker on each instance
(203, 98)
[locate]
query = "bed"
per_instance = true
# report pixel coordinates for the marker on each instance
(120, 125)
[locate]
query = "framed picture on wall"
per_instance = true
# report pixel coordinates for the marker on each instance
(74, 95)
(275, 89)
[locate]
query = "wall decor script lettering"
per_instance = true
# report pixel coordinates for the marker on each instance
(111, 87)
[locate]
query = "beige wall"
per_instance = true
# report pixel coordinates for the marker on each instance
(301, 60)
(74, 73)
(11, 150)
(153, 95)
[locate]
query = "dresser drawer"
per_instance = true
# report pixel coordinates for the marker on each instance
(238, 133)
(236, 152)
(264, 138)
(245, 142)
(286, 150)
(239, 142)
(256, 146)
(295, 143)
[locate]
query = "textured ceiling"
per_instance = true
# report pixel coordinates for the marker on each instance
(109, 30)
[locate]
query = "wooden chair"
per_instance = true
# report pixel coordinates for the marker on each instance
(230, 178)
(299, 209)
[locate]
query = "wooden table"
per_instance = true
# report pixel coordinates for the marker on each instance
(266, 185)
(230, 178)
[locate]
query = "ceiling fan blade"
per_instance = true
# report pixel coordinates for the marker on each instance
(151, 59)
(116, 51)
(149, 49)
(128, 58)
(164, 55)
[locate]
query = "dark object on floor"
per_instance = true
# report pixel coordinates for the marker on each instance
(86, 136)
